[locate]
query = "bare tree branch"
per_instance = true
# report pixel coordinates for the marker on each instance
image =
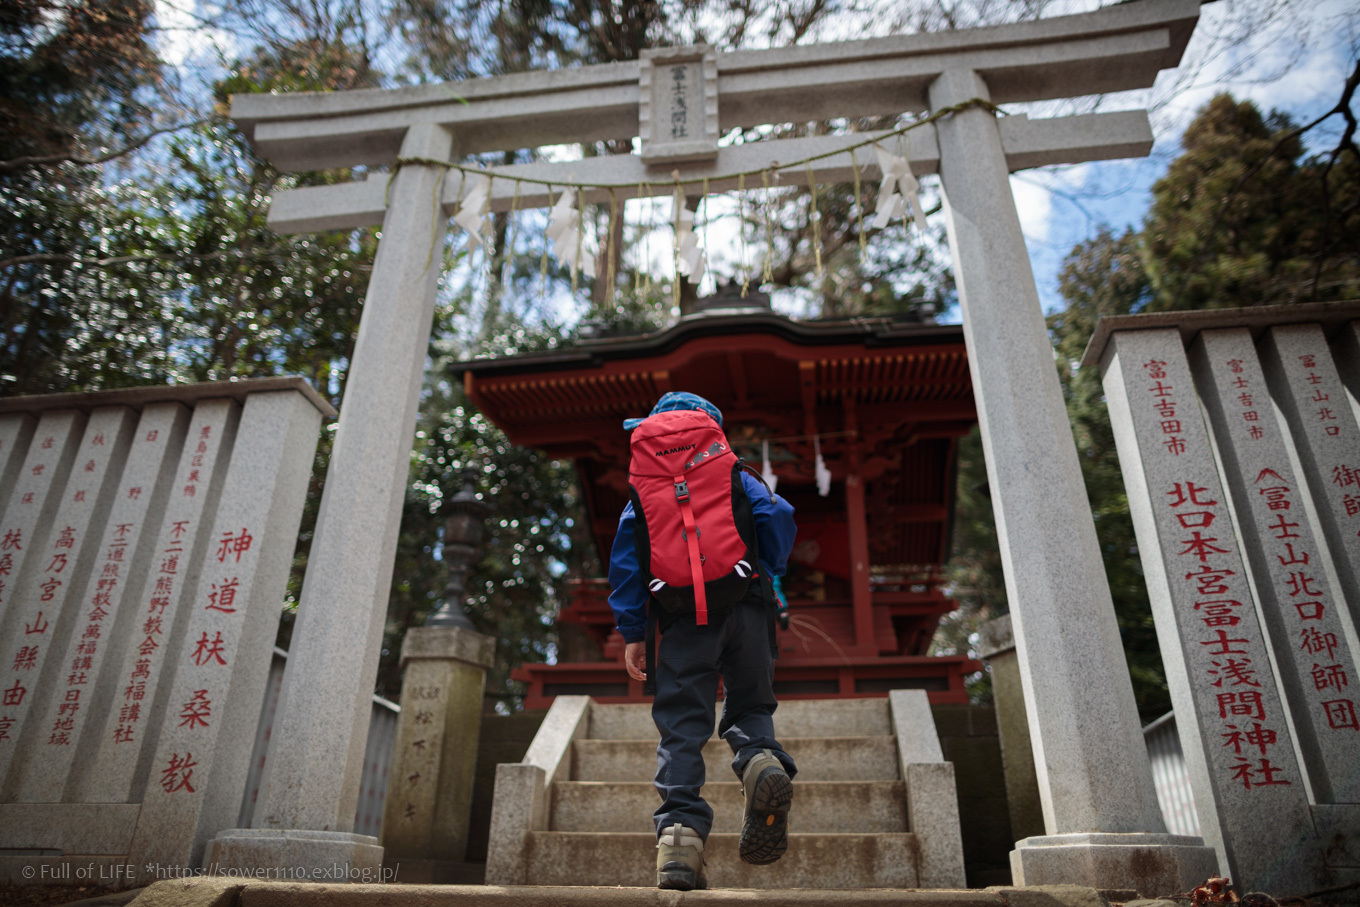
(6, 264)
(35, 160)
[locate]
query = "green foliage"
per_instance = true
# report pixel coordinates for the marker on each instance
(1243, 218)
(72, 71)
(535, 540)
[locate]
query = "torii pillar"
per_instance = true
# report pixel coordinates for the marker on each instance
(311, 781)
(1103, 826)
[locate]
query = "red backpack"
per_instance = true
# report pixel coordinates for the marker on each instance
(695, 531)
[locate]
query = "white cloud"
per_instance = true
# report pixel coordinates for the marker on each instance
(1035, 204)
(184, 32)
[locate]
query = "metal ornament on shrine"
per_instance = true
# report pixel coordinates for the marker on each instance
(1095, 782)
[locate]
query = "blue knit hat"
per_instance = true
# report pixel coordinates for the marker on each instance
(678, 400)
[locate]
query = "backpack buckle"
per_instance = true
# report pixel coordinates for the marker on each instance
(682, 491)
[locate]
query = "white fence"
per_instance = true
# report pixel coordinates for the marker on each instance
(1170, 776)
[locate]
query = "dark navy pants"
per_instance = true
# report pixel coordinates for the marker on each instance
(735, 644)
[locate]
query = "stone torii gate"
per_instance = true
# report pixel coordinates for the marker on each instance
(1100, 810)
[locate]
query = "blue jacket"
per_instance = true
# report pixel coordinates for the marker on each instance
(775, 531)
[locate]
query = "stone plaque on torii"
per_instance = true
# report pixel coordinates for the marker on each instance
(1100, 811)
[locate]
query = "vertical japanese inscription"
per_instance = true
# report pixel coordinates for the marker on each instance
(41, 616)
(1305, 382)
(161, 617)
(85, 670)
(679, 98)
(678, 104)
(1238, 744)
(49, 455)
(1297, 601)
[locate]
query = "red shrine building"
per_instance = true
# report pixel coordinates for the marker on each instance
(884, 401)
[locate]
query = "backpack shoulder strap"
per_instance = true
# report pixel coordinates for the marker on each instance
(751, 470)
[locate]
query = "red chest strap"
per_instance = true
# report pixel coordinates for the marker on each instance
(696, 564)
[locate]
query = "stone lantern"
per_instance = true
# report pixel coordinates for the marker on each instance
(463, 530)
(444, 663)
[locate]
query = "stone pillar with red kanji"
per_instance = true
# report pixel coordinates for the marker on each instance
(1307, 387)
(42, 616)
(30, 507)
(124, 742)
(1249, 788)
(1299, 603)
(83, 691)
(429, 790)
(214, 694)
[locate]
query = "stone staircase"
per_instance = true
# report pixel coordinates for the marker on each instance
(874, 803)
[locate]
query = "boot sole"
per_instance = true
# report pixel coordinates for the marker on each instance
(678, 877)
(765, 832)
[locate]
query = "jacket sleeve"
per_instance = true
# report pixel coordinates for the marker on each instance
(628, 593)
(775, 529)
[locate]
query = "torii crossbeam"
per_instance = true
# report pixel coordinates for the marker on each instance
(1104, 827)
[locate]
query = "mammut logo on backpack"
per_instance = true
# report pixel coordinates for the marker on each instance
(674, 450)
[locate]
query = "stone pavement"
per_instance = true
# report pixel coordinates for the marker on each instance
(229, 892)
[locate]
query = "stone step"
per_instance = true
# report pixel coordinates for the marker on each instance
(812, 861)
(794, 718)
(835, 807)
(211, 891)
(818, 758)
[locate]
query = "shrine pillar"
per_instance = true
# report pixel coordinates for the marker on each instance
(311, 785)
(1104, 828)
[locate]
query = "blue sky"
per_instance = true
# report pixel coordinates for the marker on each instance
(1296, 61)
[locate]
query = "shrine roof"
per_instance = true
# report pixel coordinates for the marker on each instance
(879, 398)
(870, 333)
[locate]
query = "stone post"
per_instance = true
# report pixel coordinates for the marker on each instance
(429, 790)
(311, 784)
(1307, 387)
(41, 618)
(45, 761)
(1346, 355)
(214, 695)
(33, 502)
(1298, 601)
(1095, 781)
(16, 430)
(997, 648)
(1239, 748)
(124, 737)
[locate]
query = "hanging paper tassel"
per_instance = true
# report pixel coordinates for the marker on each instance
(898, 188)
(819, 469)
(690, 259)
(472, 212)
(564, 229)
(767, 471)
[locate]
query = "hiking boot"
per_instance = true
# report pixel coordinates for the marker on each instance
(768, 791)
(680, 859)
